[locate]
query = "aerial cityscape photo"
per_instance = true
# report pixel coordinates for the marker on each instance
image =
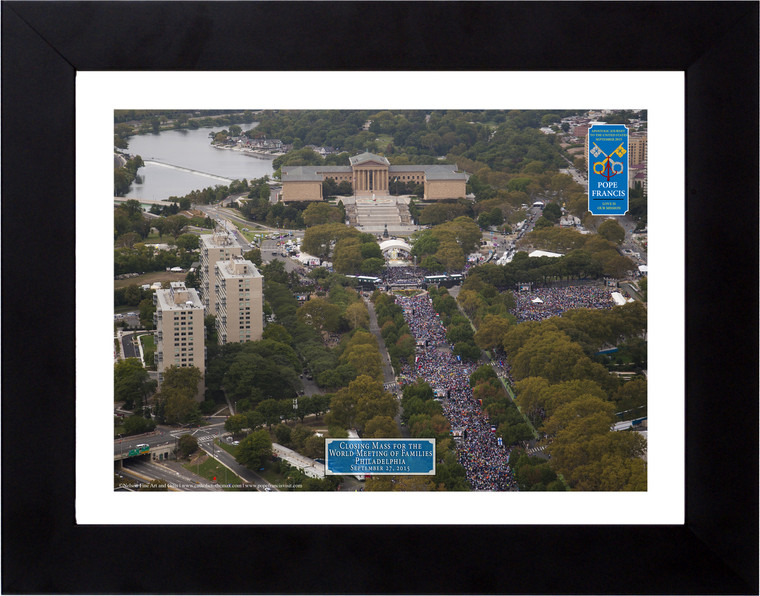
(380, 300)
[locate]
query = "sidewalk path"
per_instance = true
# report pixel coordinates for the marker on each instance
(229, 462)
(388, 377)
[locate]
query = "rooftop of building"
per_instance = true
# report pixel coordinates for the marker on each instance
(300, 173)
(399, 169)
(444, 172)
(334, 169)
(367, 157)
(237, 267)
(219, 239)
(178, 297)
(314, 173)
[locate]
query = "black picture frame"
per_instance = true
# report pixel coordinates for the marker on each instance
(44, 44)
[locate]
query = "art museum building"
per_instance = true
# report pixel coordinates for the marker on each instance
(371, 174)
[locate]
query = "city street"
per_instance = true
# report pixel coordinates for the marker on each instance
(270, 250)
(227, 460)
(170, 471)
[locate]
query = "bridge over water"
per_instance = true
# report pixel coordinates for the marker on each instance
(143, 201)
(184, 169)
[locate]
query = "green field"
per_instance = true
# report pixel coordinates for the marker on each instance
(271, 476)
(149, 349)
(268, 473)
(211, 468)
(231, 449)
(148, 278)
(252, 233)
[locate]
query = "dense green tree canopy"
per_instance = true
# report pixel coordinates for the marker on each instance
(132, 384)
(255, 449)
(612, 231)
(321, 213)
(318, 239)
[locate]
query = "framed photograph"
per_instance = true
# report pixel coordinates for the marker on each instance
(694, 530)
(658, 498)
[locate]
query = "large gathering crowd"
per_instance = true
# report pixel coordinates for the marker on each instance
(411, 276)
(485, 462)
(502, 367)
(542, 303)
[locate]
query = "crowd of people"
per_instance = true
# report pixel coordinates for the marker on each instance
(502, 367)
(542, 303)
(411, 276)
(485, 462)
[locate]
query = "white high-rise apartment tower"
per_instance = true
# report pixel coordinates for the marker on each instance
(219, 246)
(239, 301)
(179, 330)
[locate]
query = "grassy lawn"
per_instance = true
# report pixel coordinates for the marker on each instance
(252, 233)
(148, 278)
(231, 449)
(149, 348)
(154, 238)
(148, 341)
(315, 423)
(210, 468)
(268, 473)
(383, 140)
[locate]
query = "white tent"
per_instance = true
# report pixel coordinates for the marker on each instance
(307, 259)
(543, 253)
(537, 301)
(620, 299)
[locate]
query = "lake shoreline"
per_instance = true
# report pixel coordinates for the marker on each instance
(194, 160)
(249, 152)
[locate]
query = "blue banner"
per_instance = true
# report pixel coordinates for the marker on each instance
(608, 169)
(380, 456)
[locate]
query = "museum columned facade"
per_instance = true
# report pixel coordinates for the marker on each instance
(369, 175)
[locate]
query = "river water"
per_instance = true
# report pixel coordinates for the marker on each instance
(189, 149)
